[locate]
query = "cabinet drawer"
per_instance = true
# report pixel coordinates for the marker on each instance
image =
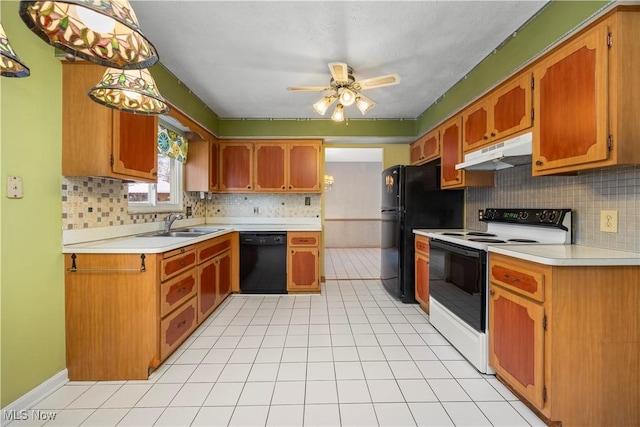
(303, 239)
(169, 267)
(177, 327)
(213, 247)
(177, 290)
(523, 277)
(422, 245)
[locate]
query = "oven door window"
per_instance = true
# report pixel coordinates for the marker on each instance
(457, 280)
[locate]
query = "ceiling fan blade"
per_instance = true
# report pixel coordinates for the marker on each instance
(309, 88)
(380, 81)
(339, 72)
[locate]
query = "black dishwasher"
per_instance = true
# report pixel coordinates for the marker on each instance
(263, 263)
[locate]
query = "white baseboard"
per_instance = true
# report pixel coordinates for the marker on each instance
(34, 396)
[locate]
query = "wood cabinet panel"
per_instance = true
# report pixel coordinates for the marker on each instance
(426, 148)
(236, 171)
(177, 327)
(224, 276)
(270, 167)
(476, 126)
(451, 154)
(516, 347)
(207, 288)
(213, 247)
(177, 264)
(521, 277)
(214, 177)
(304, 167)
(177, 290)
(421, 266)
(137, 136)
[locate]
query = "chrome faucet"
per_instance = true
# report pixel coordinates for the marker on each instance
(168, 221)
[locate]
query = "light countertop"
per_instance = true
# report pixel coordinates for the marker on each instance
(568, 255)
(156, 244)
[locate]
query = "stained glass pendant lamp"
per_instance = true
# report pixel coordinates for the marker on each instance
(105, 32)
(10, 64)
(133, 91)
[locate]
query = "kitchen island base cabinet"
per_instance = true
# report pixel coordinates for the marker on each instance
(126, 313)
(566, 339)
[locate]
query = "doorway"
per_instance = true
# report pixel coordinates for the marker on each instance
(352, 197)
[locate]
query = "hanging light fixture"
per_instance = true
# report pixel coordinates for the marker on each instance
(10, 64)
(105, 32)
(338, 113)
(347, 97)
(133, 91)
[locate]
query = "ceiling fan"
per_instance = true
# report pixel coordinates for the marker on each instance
(346, 90)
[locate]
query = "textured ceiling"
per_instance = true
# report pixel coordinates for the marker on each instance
(239, 57)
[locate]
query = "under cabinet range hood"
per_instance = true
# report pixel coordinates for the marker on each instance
(505, 154)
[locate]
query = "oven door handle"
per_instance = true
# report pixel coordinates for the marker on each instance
(455, 249)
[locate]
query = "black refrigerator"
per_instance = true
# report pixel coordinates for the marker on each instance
(412, 198)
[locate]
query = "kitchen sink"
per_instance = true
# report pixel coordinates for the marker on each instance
(182, 232)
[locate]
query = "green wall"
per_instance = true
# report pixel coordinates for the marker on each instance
(32, 312)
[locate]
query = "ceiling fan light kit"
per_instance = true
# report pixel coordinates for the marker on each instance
(347, 89)
(10, 64)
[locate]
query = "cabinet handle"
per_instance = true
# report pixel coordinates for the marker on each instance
(538, 162)
(492, 292)
(291, 186)
(493, 134)
(155, 174)
(248, 186)
(283, 187)
(181, 324)
(485, 137)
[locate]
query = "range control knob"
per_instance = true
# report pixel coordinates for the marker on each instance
(552, 216)
(543, 216)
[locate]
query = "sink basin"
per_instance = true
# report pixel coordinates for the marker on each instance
(182, 232)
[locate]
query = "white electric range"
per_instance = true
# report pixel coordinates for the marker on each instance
(458, 276)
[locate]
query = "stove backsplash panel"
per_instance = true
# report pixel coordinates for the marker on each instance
(586, 194)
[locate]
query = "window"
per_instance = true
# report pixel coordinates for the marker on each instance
(166, 194)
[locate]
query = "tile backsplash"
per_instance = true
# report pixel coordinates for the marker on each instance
(586, 194)
(89, 202)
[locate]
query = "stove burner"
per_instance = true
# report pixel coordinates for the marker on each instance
(451, 234)
(487, 240)
(522, 240)
(480, 233)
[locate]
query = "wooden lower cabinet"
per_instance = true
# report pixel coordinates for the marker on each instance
(126, 313)
(303, 262)
(566, 339)
(422, 271)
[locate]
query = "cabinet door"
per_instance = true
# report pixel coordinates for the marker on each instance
(570, 126)
(516, 342)
(426, 148)
(303, 269)
(207, 288)
(511, 107)
(475, 121)
(422, 280)
(415, 152)
(236, 160)
(213, 165)
(135, 145)
(177, 327)
(304, 167)
(224, 276)
(451, 154)
(270, 162)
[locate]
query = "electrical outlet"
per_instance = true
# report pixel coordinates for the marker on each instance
(307, 201)
(480, 214)
(189, 212)
(256, 210)
(609, 221)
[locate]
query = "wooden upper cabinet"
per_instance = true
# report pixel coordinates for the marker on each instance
(571, 104)
(236, 172)
(451, 154)
(426, 148)
(586, 102)
(504, 112)
(201, 169)
(214, 176)
(304, 166)
(101, 141)
(270, 167)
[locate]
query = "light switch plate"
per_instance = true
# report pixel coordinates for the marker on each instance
(14, 187)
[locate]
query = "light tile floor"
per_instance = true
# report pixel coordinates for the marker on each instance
(351, 356)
